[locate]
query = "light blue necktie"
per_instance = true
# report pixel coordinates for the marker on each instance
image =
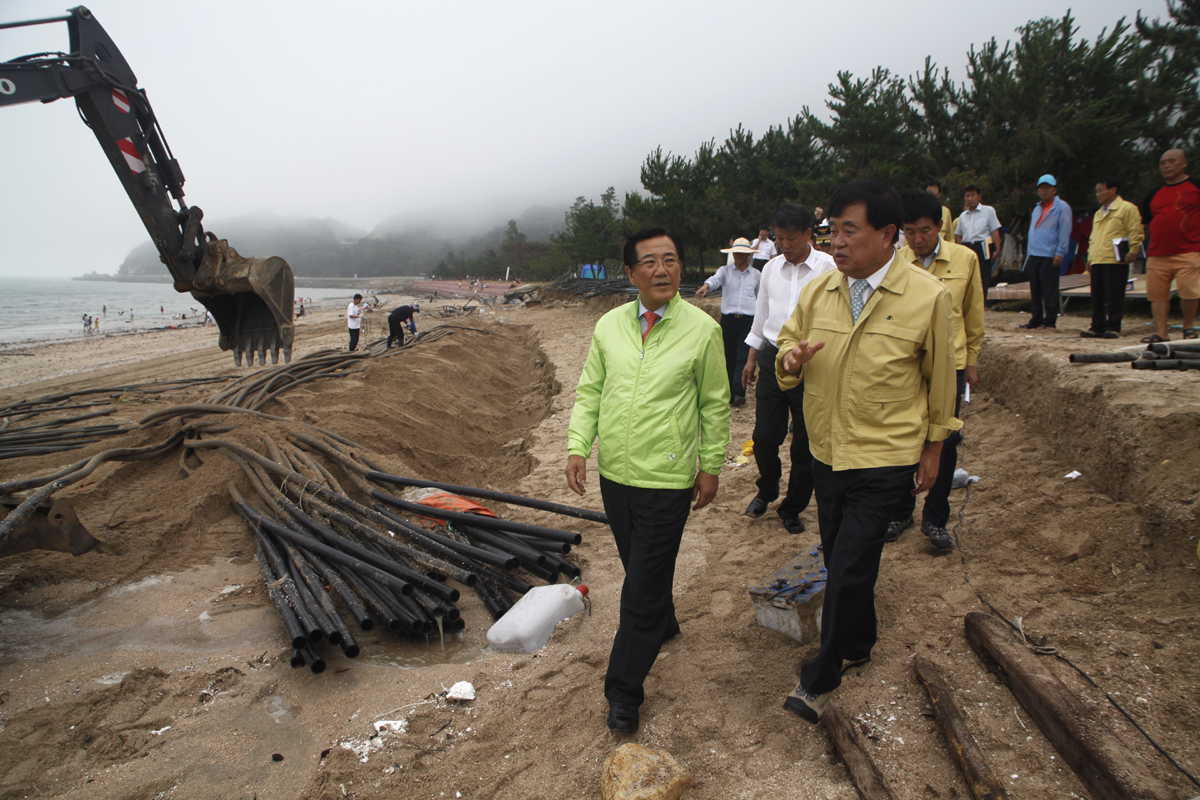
(857, 298)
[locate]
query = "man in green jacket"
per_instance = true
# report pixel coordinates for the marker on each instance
(655, 394)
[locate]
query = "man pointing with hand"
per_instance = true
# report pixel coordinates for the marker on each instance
(874, 344)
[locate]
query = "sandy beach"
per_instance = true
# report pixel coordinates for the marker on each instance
(159, 668)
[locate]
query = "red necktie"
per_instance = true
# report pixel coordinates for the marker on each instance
(651, 318)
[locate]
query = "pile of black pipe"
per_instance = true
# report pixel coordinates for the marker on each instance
(330, 563)
(1157, 356)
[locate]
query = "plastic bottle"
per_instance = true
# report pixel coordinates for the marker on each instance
(530, 622)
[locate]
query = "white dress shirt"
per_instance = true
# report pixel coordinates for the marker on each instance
(739, 289)
(765, 248)
(780, 291)
(977, 225)
(875, 278)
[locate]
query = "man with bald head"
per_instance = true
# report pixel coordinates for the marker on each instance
(1171, 214)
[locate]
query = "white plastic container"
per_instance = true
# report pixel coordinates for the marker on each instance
(529, 624)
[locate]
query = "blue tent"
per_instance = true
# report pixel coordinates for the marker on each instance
(593, 271)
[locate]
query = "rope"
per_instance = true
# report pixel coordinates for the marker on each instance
(1040, 647)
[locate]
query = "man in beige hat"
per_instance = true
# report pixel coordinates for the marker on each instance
(739, 284)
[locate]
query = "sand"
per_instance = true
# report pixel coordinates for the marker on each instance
(159, 669)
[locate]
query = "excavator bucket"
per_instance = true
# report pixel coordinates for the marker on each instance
(251, 299)
(50, 527)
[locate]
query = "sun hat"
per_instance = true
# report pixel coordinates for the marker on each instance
(741, 245)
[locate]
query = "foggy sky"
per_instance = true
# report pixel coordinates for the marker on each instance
(466, 112)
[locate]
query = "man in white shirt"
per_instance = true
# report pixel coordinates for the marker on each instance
(975, 227)
(783, 279)
(354, 320)
(738, 283)
(764, 246)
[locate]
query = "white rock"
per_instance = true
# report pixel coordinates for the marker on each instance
(463, 690)
(397, 725)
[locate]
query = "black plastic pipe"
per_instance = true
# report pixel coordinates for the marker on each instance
(441, 544)
(349, 599)
(358, 565)
(553, 534)
(290, 623)
(1102, 358)
(488, 494)
(283, 579)
(527, 554)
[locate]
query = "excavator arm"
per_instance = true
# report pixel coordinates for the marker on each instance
(250, 298)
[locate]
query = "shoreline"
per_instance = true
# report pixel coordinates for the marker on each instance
(114, 333)
(192, 346)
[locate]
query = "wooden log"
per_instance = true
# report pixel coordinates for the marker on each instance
(980, 778)
(1104, 763)
(864, 774)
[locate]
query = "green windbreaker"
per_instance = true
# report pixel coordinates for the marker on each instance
(656, 407)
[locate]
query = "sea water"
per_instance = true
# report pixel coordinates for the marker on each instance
(48, 309)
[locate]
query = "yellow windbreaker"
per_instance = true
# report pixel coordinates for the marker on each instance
(881, 387)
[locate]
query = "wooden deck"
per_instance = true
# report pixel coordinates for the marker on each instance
(1069, 286)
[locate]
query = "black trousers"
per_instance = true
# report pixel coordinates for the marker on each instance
(937, 499)
(773, 406)
(734, 329)
(354, 338)
(1043, 288)
(854, 507)
(647, 525)
(1108, 296)
(396, 330)
(985, 266)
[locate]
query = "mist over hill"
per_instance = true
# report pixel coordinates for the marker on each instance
(326, 247)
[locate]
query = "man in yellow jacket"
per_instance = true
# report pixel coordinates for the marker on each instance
(1117, 235)
(934, 187)
(874, 343)
(655, 394)
(957, 267)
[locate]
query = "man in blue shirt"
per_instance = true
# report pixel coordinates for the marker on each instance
(1049, 235)
(738, 283)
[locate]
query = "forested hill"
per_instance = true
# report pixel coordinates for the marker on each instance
(331, 248)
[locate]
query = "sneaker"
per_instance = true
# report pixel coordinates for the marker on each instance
(851, 663)
(808, 705)
(897, 527)
(939, 538)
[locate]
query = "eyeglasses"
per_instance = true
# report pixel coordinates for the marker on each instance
(670, 262)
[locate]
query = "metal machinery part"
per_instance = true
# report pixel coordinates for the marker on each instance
(250, 298)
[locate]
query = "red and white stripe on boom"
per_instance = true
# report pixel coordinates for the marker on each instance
(132, 157)
(121, 101)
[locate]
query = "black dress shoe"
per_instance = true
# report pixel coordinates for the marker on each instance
(672, 631)
(1090, 334)
(757, 507)
(793, 525)
(622, 717)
